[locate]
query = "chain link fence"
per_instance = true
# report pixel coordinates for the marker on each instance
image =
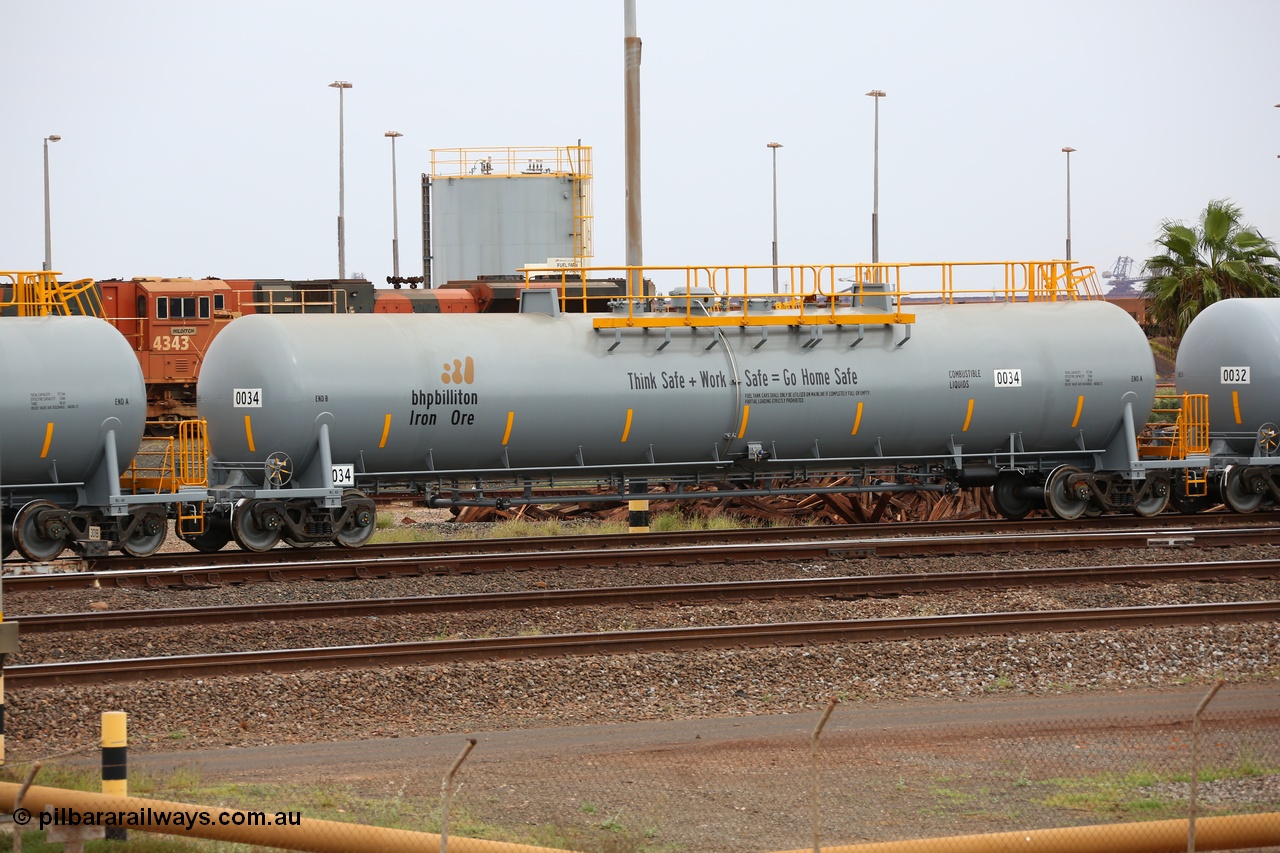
(757, 785)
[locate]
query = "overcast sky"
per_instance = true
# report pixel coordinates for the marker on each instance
(200, 139)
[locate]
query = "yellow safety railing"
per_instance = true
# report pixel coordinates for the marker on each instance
(1179, 427)
(39, 294)
(501, 161)
(820, 295)
(167, 464)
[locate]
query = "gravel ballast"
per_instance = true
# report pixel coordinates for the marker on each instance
(463, 697)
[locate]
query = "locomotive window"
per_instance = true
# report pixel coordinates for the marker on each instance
(204, 307)
(219, 302)
(177, 308)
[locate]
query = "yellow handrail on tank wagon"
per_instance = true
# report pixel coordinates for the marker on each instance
(38, 293)
(167, 464)
(817, 294)
(1181, 428)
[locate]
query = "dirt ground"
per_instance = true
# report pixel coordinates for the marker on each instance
(886, 771)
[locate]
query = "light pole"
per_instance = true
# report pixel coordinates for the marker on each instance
(775, 146)
(877, 94)
(48, 239)
(340, 85)
(1068, 151)
(395, 209)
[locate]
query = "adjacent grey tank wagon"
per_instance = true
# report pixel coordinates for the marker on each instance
(1231, 353)
(72, 413)
(308, 414)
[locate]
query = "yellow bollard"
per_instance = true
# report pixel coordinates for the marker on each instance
(115, 763)
(638, 507)
(638, 517)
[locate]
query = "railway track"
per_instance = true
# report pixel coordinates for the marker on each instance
(438, 652)
(1170, 524)
(590, 552)
(870, 586)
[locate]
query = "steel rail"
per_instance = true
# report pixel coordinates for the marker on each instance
(368, 566)
(455, 547)
(647, 641)
(867, 586)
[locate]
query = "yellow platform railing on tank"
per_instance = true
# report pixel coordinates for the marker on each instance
(38, 293)
(832, 294)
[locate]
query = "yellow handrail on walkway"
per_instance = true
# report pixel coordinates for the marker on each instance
(39, 294)
(817, 294)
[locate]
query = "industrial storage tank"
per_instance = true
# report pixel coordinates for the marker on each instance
(67, 381)
(493, 211)
(534, 392)
(1231, 352)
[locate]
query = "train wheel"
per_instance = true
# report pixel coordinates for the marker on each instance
(361, 522)
(212, 539)
(1009, 495)
(37, 540)
(252, 534)
(1156, 500)
(1066, 501)
(147, 537)
(1237, 494)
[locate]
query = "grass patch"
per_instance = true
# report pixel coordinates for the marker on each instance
(325, 800)
(1138, 794)
(1113, 796)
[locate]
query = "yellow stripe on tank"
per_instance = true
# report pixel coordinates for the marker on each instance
(1235, 404)
(857, 420)
(968, 417)
(1079, 409)
(626, 430)
(386, 430)
(49, 438)
(506, 436)
(248, 432)
(742, 426)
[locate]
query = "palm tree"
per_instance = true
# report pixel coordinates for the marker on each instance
(1221, 258)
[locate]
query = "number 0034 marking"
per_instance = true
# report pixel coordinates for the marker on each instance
(344, 475)
(246, 398)
(1009, 377)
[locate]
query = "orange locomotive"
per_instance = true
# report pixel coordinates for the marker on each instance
(170, 322)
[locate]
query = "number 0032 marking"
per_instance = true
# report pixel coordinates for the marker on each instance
(1235, 376)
